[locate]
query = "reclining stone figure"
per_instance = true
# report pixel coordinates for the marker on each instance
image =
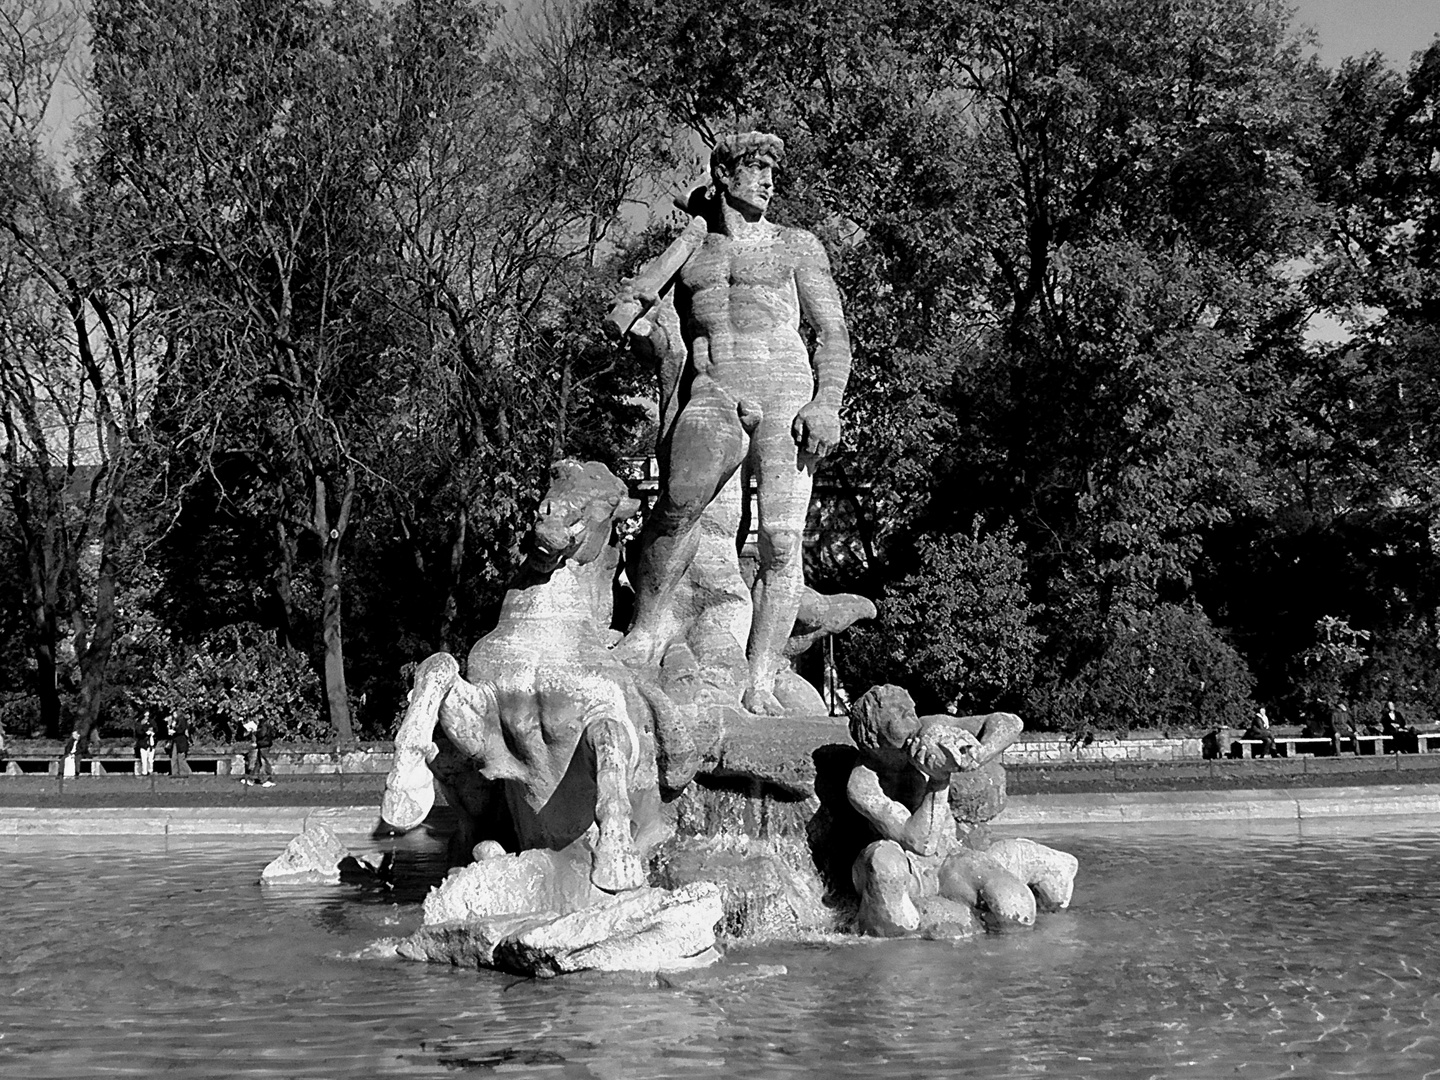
(919, 875)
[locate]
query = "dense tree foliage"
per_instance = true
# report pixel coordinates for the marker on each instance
(285, 350)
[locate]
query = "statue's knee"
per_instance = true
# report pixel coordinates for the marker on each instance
(881, 865)
(1007, 899)
(679, 509)
(781, 548)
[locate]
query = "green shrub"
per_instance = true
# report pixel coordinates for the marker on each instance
(955, 632)
(238, 673)
(1166, 668)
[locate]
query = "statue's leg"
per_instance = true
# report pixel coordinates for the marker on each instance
(616, 866)
(702, 451)
(1048, 872)
(410, 786)
(785, 482)
(883, 879)
(677, 758)
(983, 882)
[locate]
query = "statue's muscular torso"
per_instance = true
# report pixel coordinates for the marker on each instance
(740, 311)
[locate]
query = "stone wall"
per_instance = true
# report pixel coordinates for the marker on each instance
(1037, 749)
(1051, 750)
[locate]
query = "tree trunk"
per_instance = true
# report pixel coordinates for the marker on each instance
(337, 694)
(284, 582)
(43, 553)
(450, 604)
(332, 536)
(95, 660)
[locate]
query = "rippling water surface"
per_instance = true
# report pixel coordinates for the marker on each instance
(1187, 954)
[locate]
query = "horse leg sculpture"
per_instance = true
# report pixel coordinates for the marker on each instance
(410, 787)
(616, 866)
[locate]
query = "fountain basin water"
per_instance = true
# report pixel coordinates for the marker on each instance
(1197, 950)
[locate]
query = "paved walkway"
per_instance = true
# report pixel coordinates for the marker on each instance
(347, 822)
(1292, 804)
(363, 819)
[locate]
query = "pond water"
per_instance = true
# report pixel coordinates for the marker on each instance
(1205, 953)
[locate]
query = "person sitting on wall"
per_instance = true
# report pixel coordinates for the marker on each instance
(1402, 734)
(1260, 729)
(1342, 728)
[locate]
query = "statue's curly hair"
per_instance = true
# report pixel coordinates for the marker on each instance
(740, 146)
(883, 718)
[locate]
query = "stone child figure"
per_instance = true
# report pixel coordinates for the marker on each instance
(918, 876)
(748, 395)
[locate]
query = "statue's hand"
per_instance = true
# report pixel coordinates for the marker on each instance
(816, 429)
(631, 291)
(939, 749)
(959, 746)
(628, 308)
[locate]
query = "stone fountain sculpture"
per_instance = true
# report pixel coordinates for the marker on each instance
(565, 748)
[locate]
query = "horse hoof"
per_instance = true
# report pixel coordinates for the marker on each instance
(762, 703)
(617, 873)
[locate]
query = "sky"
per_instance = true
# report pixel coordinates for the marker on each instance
(1397, 28)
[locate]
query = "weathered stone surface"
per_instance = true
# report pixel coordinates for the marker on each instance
(1050, 873)
(738, 386)
(506, 885)
(978, 796)
(943, 919)
(781, 754)
(644, 930)
(468, 944)
(549, 734)
(768, 888)
(314, 855)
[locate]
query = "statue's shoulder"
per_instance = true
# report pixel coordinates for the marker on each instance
(802, 240)
(804, 248)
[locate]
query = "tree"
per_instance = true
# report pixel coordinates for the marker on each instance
(254, 135)
(957, 632)
(77, 376)
(1060, 229)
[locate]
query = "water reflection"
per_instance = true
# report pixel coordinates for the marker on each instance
(1250, 952)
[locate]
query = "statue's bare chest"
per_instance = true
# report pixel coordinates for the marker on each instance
(722, 263)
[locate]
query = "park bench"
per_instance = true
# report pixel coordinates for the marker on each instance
(112, 764)
(1308, 745)
(1323, 745)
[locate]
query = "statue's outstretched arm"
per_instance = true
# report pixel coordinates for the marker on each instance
(926, 830)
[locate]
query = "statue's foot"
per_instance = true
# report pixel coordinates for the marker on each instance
(616, 871)
(942, 919)
(762, 702)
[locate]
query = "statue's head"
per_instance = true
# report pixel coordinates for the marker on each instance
(575, 519)
(742, 169)
(883, 720)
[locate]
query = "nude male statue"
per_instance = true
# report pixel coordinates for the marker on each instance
(748, 395)
(919, 874)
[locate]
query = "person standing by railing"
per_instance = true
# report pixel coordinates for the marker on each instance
(179, 729)
(257, 765)
(145, 740)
